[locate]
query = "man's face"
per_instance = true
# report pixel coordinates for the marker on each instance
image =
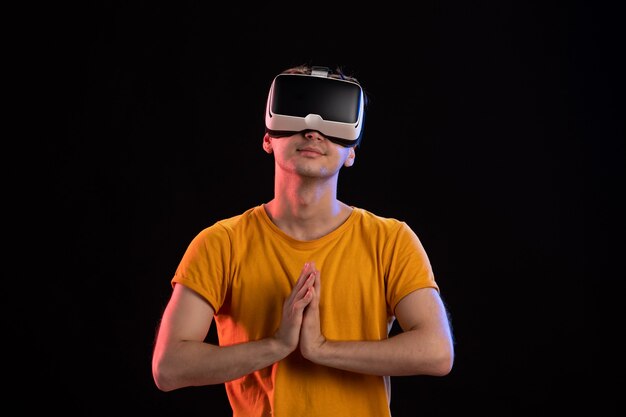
(309, 154)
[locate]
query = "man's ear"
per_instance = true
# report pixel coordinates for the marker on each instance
(351, 156)
(267, 143)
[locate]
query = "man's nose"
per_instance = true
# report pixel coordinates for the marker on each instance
(313, 134)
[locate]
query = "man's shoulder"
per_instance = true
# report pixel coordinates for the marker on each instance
(377, 222)
(375, 218)
(251, 214)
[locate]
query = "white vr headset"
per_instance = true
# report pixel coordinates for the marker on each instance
(301, 102)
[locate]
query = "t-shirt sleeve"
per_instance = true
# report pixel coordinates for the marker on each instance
(409, 267)
(204, 266)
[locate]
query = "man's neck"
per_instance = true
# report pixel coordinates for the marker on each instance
(307, 216)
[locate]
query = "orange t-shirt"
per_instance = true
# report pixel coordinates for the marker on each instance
(245, 267)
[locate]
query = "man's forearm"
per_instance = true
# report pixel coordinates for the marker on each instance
(193, 363)
(408, 353)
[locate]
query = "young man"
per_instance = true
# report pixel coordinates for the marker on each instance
(305, 288)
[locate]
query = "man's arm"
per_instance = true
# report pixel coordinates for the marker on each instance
(425, 347)
(181, 357)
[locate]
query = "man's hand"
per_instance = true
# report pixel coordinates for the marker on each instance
(311, 338)
(288, 333)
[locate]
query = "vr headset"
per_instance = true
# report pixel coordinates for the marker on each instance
(301, 102)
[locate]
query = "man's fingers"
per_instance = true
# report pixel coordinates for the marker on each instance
(308, 268)
(306, 271)
(301, 295)
(305, 294)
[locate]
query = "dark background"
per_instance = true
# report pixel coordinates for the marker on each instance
(495, 130)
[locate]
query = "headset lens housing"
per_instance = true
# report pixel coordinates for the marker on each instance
(299, 102)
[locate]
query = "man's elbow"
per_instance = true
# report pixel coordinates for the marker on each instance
(161, 382)
(442, 366)
(163, 379)
(443, 360)
(435, 361)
